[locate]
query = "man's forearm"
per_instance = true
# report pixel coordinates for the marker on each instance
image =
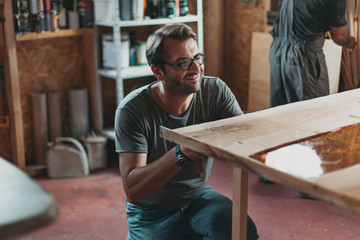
(340, 35)
(141, 181)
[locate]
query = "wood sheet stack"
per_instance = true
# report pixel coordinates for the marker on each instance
(350, 62)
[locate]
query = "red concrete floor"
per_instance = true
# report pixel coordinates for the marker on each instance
(93, 207)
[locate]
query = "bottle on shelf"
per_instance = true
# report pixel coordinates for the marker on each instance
(183, 8)
(150, 13)
(51, 15)
(152, 9)
(125, 14)
(137, 9)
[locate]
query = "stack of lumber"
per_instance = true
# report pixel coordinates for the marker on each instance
(350, 62)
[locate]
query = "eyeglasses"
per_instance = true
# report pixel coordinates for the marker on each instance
(187, 62)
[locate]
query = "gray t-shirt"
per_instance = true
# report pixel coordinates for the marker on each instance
(137, 123)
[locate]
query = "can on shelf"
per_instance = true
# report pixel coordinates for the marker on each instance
(184, 7)
(171, 8)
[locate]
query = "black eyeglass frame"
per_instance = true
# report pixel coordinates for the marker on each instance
(187, 58)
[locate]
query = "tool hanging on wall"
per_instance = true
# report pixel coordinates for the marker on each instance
(4, 118)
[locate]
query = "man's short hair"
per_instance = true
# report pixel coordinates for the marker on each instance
(154, 46)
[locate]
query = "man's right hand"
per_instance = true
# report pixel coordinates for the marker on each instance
(190, 153)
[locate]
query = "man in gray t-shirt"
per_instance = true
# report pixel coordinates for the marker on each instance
(165, 184)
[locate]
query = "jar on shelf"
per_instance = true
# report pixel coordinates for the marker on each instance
(109, 53)
(141, 53)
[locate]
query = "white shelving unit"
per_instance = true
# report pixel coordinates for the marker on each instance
(119, 74)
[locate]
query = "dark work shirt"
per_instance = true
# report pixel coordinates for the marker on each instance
(137, 130)
(313, 18)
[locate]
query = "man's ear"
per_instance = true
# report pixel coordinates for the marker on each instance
(158, 72)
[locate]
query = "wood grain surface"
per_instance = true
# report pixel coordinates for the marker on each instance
(234, 140)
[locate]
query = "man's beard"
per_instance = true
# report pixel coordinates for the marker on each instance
(182, 87)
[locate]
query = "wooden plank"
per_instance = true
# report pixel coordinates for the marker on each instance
(354, 70)
(272, 127)
(89, 40)
(346, 71)
(357, 50)
(357, 25)
(259, 79)
(353, 32)
(13, 90)
(240, 204)
(343, 181)
(350, 13)
(235, 140)
(351, 56)
(50, 35)
(5, 138)
(333, 53)
(213, 33)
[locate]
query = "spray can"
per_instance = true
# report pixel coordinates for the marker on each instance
(170, 8)
(184, 7)
(138, 9)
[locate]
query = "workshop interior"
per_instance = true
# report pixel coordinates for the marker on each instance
(66, 66)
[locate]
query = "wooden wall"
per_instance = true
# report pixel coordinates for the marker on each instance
(5, 146)
(5, 143)
(49, 65)
(228, 26)
(63, 63)
(214, 37)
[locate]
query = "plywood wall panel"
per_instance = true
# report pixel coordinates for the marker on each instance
(46, 65)
(5, 146)
(240, 21)
(214, 37)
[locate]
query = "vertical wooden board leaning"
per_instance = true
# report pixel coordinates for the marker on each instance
(13, 90)
(240, 204)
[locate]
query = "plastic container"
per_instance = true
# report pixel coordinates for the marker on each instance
(141, 53)
(79, 112)
(66, 158)
(96, 152)
(103, 10)
(108, 47)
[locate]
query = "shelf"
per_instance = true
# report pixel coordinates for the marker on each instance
(148, 22)
(48, 35)
(127, 73)
(120, 75)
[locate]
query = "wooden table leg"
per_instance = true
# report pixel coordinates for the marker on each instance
(240, 204)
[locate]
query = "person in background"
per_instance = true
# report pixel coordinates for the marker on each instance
(297, 63)
(298, 69)
(165, 183)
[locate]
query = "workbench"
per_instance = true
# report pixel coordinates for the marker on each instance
(246, 140)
